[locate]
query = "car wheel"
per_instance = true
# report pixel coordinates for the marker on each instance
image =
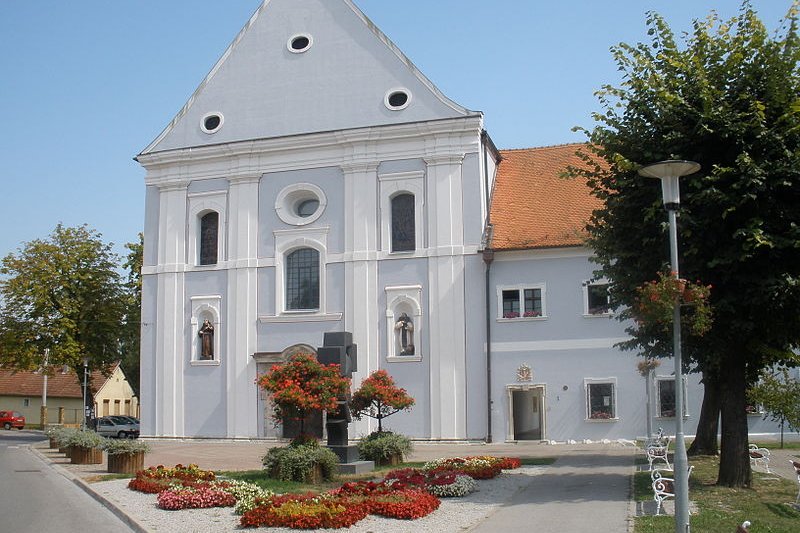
(122, 435)
(7, 425)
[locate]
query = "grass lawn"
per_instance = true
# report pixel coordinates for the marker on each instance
(259, 477)
(721, 509)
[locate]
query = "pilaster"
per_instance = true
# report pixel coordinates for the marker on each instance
(170, 327)
(361, 267)
(446, 292)
(241, 306)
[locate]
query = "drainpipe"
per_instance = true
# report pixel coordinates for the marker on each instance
(488, 257)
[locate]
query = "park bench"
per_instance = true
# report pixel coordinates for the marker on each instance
(759, 456)
(657, 449)
(663, 487)
(796, 466)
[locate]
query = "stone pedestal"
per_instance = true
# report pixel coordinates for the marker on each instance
(356, 467)
(346, 454)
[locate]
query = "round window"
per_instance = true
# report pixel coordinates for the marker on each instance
(397, 99)
(306, 208)
(300, 204)
(212, 122)
(299, 43)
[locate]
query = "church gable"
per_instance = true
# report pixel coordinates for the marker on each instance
(305, 66)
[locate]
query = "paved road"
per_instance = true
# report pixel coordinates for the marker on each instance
(582, 492)
(35, 498)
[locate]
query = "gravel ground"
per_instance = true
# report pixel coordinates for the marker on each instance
(454, 515)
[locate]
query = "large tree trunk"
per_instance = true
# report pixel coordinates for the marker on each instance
(705, 441)
(734, 460)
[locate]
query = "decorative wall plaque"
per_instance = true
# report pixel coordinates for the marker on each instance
(524, 374)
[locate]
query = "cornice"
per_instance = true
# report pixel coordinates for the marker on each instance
(360, 146)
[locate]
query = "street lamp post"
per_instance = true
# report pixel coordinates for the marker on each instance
(669, 172)
(85, 365)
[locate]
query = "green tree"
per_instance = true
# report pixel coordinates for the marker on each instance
(779, 394)
(728, 98)
(63, 293)
(131, 330)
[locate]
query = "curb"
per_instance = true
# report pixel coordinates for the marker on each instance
(105, 502)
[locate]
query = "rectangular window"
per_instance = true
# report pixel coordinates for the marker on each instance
(597, 299)
(665, 388)
(601, 400)
(526, 302)
(510, 304)
(26, 402)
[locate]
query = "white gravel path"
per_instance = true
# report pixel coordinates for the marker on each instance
(454, 514)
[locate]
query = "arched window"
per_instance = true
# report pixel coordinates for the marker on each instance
(302, 279)
(209, 229)
(403, 232)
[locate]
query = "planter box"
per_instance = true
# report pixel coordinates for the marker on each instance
(86, 456)
(53, 443)
(313, 477)
(124, 463)
(393, 460)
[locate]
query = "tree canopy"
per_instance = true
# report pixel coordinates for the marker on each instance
(379, 397)
(130, 337)
(63, 293)
(727, 95)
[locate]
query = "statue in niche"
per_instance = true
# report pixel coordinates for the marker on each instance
(405, 329)
(206, 334)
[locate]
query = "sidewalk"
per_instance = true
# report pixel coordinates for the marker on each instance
(586, 489)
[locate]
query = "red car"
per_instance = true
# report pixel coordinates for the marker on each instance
(12, 419)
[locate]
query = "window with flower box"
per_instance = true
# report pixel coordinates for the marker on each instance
(521, 302)
(601, 399)
(595, 300)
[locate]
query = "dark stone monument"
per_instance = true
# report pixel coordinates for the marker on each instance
(338, 348)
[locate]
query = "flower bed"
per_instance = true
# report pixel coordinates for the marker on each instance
(158, 478)
(481, 467)
(207, 495)
(451, 484)
(441, 482)
(304, 511)
(406, 504)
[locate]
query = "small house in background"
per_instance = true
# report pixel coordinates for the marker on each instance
(22, 391)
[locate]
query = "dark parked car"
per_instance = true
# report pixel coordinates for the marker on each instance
(12, 419)
(117, 426)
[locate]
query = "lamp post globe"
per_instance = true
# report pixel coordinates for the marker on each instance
(669, 172)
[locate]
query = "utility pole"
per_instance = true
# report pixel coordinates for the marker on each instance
(43, 412)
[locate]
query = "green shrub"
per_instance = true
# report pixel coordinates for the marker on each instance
(64, 435)
(381, 445)
(85, 439)
(124, 446)
(297, 462)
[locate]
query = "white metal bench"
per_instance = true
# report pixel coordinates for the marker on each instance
(663, 487)
(759, 456)
(658, 450)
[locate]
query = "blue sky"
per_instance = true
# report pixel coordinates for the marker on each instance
(87, 84)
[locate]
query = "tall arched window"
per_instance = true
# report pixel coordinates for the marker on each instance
(403, 231)
(209, 229)
(302, 279)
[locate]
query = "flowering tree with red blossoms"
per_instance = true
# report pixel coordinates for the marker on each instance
(379, 397)
(302, 385)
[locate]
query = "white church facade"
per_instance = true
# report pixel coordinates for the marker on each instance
(316, 181)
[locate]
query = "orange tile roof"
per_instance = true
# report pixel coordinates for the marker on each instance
(59, 384)
(532, 207)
